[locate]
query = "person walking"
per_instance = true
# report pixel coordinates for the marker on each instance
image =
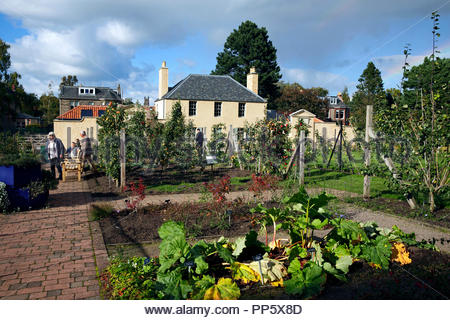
(55, 152)
(199, 142)
(86, 150)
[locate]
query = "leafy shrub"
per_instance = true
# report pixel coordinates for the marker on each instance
(219, 189)
(131, 279)
(14, 151)
(259, 184)
(99, 211)
(4, 199)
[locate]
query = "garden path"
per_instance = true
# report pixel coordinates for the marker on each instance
(422, 230)
(50, 253)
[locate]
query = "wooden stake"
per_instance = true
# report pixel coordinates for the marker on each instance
(301, 159)
(366, 188)
(123, 158)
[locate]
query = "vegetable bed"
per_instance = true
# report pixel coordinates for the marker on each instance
(353, 260)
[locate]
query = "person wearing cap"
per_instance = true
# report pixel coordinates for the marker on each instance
(86, 149)
(55, 152)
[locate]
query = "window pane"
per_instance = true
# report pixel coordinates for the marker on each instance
(192, 108)
(217, 109)
(241, 111)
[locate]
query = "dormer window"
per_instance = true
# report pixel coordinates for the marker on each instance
(86, 91)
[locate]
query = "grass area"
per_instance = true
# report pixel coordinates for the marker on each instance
(184, 186)
(348, 182)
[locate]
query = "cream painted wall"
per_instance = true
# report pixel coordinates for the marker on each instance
(88, 124)
(205, 114)
(333, 130)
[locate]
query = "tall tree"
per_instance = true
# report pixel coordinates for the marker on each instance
(345, 96)
(420, 131)
(249, 46)
(70, 80)
(49, 107)
(5, 60)
(294, 97)
(370, 92)
(417, 80)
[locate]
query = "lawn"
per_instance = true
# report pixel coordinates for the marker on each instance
(348, 182)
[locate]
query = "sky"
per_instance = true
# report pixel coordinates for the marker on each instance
(325, 43)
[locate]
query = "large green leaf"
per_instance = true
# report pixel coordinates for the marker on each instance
(306, 282)
(296, 251)
(319, 224)
(174, 287)
(172, 250)
(171, 229)
(225, 253)
(377, 251)
(202, 285)
(343, 263)
(225, 289)
(335, 272)
(239, 245)
(347, 230)
(243, 272)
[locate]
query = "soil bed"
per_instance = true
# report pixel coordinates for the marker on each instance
(177, 181)
(200, 219)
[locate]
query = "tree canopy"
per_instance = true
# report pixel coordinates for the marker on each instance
(294, 97)
(13, 97)
(69, 80)
(370, 92)
(417, 81)
(249, 46)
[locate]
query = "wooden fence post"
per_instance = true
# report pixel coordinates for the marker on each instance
(366, 188)
(301, 158)
(123, 158)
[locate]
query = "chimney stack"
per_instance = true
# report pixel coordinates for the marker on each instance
(163, 80)
(252, 80)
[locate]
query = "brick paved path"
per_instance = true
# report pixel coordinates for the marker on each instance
(49, 253)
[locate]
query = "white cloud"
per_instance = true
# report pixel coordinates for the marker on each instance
(97, 40)
(313, 78)
(117, 33)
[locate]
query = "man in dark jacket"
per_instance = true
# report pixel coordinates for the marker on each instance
(55, 152)
(86, 150)
(199, 141)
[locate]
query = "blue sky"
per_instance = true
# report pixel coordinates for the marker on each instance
(323, 43)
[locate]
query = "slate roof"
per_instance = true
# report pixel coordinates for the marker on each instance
(75, 113)
(211, 88)
(21, 115)
(101, 93)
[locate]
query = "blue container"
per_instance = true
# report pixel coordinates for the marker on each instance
(21, 198)
(19, 177)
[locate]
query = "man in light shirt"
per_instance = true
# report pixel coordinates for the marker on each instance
(55, 152)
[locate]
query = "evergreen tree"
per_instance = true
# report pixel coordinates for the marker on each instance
(246, 47)
(416, 84)
(370, 92)
(5, 60)
(70, 80)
